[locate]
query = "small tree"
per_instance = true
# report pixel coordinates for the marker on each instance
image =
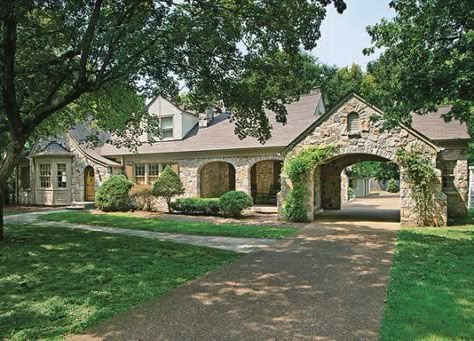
(142, 196)
(167, 186)
(113, 194)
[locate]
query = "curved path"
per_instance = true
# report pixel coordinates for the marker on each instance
(327, 283)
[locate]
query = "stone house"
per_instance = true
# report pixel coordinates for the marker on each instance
(210, 159)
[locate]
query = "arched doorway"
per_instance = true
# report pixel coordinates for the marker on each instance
(265, 181)
(89, 184)
(216, 178)
(342, 188)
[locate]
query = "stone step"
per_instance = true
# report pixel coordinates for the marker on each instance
(264, 209)
(81, 205)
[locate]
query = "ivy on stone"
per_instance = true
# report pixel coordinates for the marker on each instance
(420, 175)
(298, 168)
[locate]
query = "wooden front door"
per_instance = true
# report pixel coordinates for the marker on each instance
(89, 183)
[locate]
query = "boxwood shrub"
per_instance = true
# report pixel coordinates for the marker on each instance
(112, 195)
(196, 206)
(233, 203)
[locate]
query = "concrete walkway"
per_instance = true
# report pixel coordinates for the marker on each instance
(243, 245)
(327, 283)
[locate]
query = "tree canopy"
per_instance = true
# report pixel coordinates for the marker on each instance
(428, 58)
(66, 61)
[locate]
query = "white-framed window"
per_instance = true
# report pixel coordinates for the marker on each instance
(62, 175)
(448, 176)
(153, 172)
(166, 126)
(353, 123)
(45, 175)
(140, 174)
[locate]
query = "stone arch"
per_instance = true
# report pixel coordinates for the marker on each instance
(215, 178)
(265, 180)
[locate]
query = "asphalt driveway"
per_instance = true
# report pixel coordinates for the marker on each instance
(326, 283)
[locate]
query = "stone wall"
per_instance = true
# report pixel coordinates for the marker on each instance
(190, 171)
(370, 143)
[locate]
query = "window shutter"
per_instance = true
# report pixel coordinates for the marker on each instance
(353, 122)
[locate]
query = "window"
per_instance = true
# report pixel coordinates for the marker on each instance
(45, 175)
(166, 126)
(448, 175)
(153, 172)
(140, 174)
(353, 123)
(62, 176)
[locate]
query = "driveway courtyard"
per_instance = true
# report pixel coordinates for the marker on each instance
(327, 282)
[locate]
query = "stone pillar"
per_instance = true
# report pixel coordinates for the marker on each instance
(242, 178)
(471, 187)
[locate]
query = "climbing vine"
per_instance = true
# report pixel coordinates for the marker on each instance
(419, 174)
(298, 168)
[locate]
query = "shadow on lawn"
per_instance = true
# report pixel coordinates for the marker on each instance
(327, 282)
(431, 293)
(55, 281)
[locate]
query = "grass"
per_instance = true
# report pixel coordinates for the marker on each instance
(121, 220)
(431, 292)
(56, 281)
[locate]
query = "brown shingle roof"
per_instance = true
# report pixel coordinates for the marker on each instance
(219, 135)
(433, 126)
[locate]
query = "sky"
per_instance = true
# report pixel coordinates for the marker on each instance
(343, 36)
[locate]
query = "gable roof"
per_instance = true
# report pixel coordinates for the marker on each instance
(53, 149)
(434, 126)
(346, 98)
(220, 135)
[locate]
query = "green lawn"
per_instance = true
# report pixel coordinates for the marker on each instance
(122, 220)
(431, 292)
(57, 281)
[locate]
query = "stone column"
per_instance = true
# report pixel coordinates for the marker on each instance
(242, 178)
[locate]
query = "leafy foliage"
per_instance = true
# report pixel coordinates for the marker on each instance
(167, 186)
(392, 186)
(232, 203)
(427, 59)
(298, 168)
(421, 179)
(142, 197)
(381, 171)
(112, 195)
(197, 206)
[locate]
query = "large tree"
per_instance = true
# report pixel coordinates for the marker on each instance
(428, 58)
(63, 61)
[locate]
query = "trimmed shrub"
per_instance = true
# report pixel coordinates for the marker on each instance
(196, 206)
(112, 195)
(142, 197)
(392, 186)
(234, 202)
(167, 186)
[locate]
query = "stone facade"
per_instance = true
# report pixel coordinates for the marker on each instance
(369, 143)
(216, 179)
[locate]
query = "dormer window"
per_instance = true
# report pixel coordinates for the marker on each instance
(166, 126)
(353, 124)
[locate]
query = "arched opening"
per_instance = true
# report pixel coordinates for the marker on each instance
(358, 186)
(265, 182)
(89, 184)
(216, 178)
